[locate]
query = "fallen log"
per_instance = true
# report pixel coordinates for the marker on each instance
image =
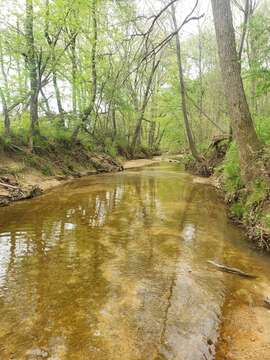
(232, 270)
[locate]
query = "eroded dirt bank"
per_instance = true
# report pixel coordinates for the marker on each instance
(24, 176)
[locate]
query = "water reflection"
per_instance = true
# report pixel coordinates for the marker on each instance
(114, 267)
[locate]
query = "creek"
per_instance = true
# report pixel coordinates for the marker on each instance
(114, 267)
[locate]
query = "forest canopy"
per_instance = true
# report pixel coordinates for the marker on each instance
(126, 77)
(106, 71)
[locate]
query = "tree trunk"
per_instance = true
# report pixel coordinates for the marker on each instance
(114, 121)
(151, 134)
(191, 142)
(20, 72)
(46, 103)
(87, 112)
(74, 73)
(137, 132)
(5, 113)
(58, 98)
(52, 44)
(4, 74)
(94, 55)
(246, 139)
(201, 91)
(32, 69)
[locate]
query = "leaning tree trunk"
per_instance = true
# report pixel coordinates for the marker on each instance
(191, 142)
(244, 133)
(32, 70)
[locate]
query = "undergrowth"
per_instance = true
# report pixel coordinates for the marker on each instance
(52, 134)
(249, 206)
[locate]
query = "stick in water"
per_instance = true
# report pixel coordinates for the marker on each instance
(231, 270)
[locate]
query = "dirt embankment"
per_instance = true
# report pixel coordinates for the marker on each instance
(24, 175)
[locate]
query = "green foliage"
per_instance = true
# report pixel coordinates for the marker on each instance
(257, 193)
(54, 132)
(246, 202)
(259, 51)
(20, 129)
(32, 161)
(231, 170)
(39, 163)
(238, 209)
(46, 170)
(110, 148)
(5, 143)
(266, 220)
(263, 128)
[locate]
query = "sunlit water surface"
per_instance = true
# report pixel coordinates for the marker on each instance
(115, 267)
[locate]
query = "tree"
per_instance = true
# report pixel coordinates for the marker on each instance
(5, 113)
(244, 133)
(32, 68)
(191, 142)
(91, 107)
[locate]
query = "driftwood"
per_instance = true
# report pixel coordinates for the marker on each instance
(232, 270)
(9, 186)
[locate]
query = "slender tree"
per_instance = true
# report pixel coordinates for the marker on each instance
(190, 138)
(5, 113)
(145, 100)
(90, 108)
(33, 72)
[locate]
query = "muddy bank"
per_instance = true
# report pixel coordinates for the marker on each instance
(210, 159)
(24, 175)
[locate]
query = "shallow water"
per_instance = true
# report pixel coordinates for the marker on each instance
(115, 267)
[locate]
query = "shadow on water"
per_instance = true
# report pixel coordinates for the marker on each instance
(115, 267)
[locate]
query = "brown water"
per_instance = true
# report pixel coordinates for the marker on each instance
(115, 267)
